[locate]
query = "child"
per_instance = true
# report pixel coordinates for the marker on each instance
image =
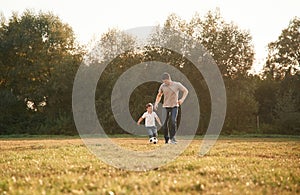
(150, 117)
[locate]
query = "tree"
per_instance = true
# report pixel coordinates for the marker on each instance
(287, 106)
(230, 46)
(265, 95)
(233, 52)
(284, 53)
(39, 58)
(231, 49)
(283, 67)
(13, 117)
(115, 50)
(242, 107)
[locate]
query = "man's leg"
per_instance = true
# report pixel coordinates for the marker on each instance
(165, 125)
(174, 113)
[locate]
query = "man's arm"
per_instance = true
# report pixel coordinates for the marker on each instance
(158, 120)
(157, 100)
(185, 93)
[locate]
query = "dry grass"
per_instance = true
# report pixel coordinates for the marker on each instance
(233, 166)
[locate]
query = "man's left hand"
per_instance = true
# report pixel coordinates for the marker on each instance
(180, 102)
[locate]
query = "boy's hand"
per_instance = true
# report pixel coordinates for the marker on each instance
(138, 123)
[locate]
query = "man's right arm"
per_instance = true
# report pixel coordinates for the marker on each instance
(157, 100)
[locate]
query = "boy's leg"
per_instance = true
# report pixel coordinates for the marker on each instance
(149, 130)
(154, 131)
(174, 113)
(165, 125)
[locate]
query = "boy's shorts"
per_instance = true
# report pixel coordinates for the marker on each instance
(152, 130)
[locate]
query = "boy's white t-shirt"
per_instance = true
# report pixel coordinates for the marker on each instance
(149, 119)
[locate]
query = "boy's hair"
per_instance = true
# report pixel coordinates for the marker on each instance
(149, 105)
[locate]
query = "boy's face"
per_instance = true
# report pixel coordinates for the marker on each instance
(149, 109)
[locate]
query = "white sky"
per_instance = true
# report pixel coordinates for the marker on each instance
(265, 19)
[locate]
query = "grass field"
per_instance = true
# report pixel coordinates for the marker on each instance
(233, 166)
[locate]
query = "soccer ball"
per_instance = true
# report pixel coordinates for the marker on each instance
(153, 140)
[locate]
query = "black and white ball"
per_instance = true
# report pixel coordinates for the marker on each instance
(153, 140)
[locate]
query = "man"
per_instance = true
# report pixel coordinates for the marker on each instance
(170, 89)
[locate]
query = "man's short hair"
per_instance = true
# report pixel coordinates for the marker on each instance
(165, 76)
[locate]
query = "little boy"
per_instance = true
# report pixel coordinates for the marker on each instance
(150, 117)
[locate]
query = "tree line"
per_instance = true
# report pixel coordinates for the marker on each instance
(39, 58)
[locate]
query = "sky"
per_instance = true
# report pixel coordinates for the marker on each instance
(264, 19)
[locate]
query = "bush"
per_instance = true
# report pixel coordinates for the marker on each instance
(289, 123)
(61, 125)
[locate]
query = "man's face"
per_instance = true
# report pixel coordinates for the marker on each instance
(167, 81)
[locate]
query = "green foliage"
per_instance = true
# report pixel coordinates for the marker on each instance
(279, 104)
(62, 124)
(39, 59)
(289, 123)
(33, 45)
(242, 106)
(11, 111)
(284, 53)
(265, 95)
(229, 45)
(287, 107)
(279, 94)
(232, 51)
(116, 46)
(147, 89)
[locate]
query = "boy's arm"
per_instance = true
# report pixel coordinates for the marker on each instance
(140, 120)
